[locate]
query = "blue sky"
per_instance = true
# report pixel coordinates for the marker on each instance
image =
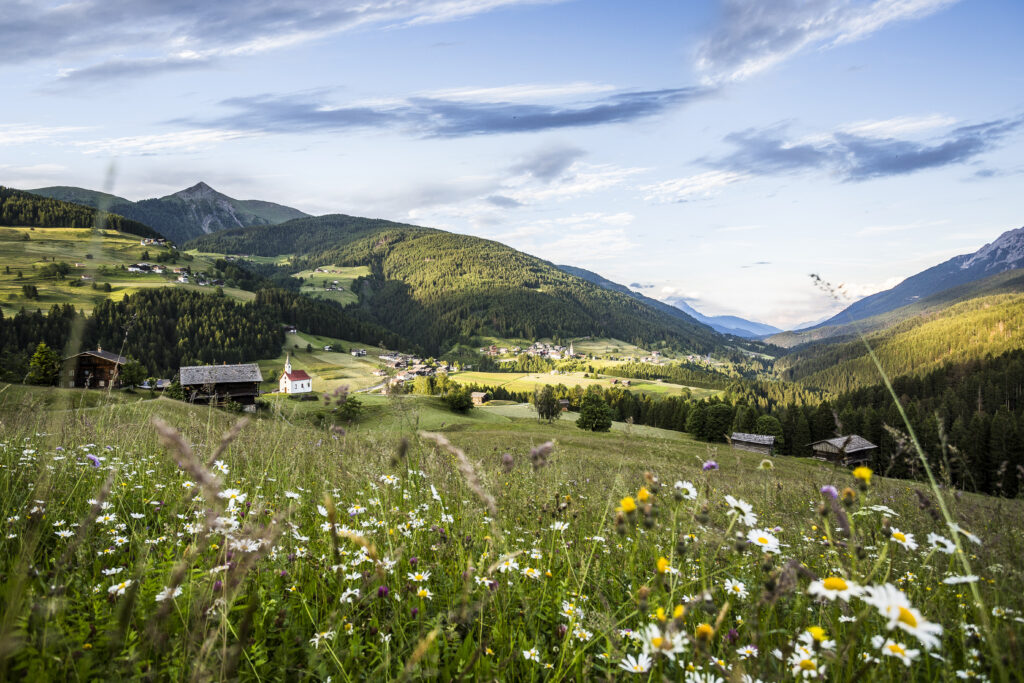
(717, 151)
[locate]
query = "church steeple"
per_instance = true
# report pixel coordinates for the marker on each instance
(288, 364)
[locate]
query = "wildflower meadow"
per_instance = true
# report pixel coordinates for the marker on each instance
(158, 541)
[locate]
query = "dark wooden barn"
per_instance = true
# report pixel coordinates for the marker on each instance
(844, 450)
(222, 383)
(755, 443)
(97, 369)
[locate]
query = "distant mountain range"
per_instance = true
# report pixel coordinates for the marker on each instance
(1005, 253)
(958, 279)
(197, 210)
(726, 324)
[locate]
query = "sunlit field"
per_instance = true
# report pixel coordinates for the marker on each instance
(201, 548)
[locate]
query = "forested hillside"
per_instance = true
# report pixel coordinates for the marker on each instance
(436, 288)
(166, 328)
(987, 325)
(19, 208)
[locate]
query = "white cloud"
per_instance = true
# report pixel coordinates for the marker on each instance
(899, 126)
(527, 92)
(183, 141)
(700, 185)
(21, 133)
(754, 36)
(901, 227)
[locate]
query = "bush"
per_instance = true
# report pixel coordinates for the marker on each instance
(458, 399)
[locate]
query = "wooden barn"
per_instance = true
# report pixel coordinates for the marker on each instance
(97, 369)
(222, 383)
(755, 443)
(844, 450)
(480, 397)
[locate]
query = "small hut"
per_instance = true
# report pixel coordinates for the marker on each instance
(480, 397)
(755, 443)
(222, 383)
(563, 403)
(844, 450)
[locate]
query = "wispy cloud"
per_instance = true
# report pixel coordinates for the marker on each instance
(150, 34)
(858, 157)
(177, 142)
(445, 118)
(898, 227)
(699, 185)
(754, 36)
(24, 133)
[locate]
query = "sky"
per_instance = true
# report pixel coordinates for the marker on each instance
(718, 152)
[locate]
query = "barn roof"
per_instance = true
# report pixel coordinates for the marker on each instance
(105, 355)
(478, 394)
(848, 444)
(296, 375)
(220, 374)
(763, 439)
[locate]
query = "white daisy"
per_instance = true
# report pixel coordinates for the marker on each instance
(763, 540)
(832, 587)
(894, 606)
(890, 648)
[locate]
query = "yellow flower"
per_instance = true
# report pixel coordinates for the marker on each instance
(662, 565)
(818, 633)
(643, 494)
(863, 473)
(678, 612)
(660, 614)
(704, 632)
(627, 504)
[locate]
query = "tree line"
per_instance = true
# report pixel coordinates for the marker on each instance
(19, 208)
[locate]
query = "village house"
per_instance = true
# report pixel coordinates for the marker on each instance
(843, 450)
(358, 352)
(222, 383)
(755, 443)
(294, 381)
(92, 369)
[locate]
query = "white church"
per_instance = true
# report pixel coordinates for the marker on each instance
(294, 382)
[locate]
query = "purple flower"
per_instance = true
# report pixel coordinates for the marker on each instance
(710, 465)
(382, 592)
(830, 491)
(217, 585)
(93, 459)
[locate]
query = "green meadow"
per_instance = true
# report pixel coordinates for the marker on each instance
(146, 538)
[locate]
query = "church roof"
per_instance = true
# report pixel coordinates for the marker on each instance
(296, 375)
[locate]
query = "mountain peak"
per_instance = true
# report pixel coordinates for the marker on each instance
(200, 189)
(1007, 251)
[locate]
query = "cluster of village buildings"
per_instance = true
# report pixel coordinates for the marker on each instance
(537, 349)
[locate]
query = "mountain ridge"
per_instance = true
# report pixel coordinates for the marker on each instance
(441, 289)
(182, 215)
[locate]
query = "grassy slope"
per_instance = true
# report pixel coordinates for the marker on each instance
(590, 471)
(71, 246)
(313, 284)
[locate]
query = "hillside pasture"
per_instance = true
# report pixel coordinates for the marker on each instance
(339, 276)
(86, 251)
(521, 381)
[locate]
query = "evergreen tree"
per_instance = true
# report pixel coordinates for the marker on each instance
(770, 426)
(44, 368)
(544, 402)
(595, 414)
